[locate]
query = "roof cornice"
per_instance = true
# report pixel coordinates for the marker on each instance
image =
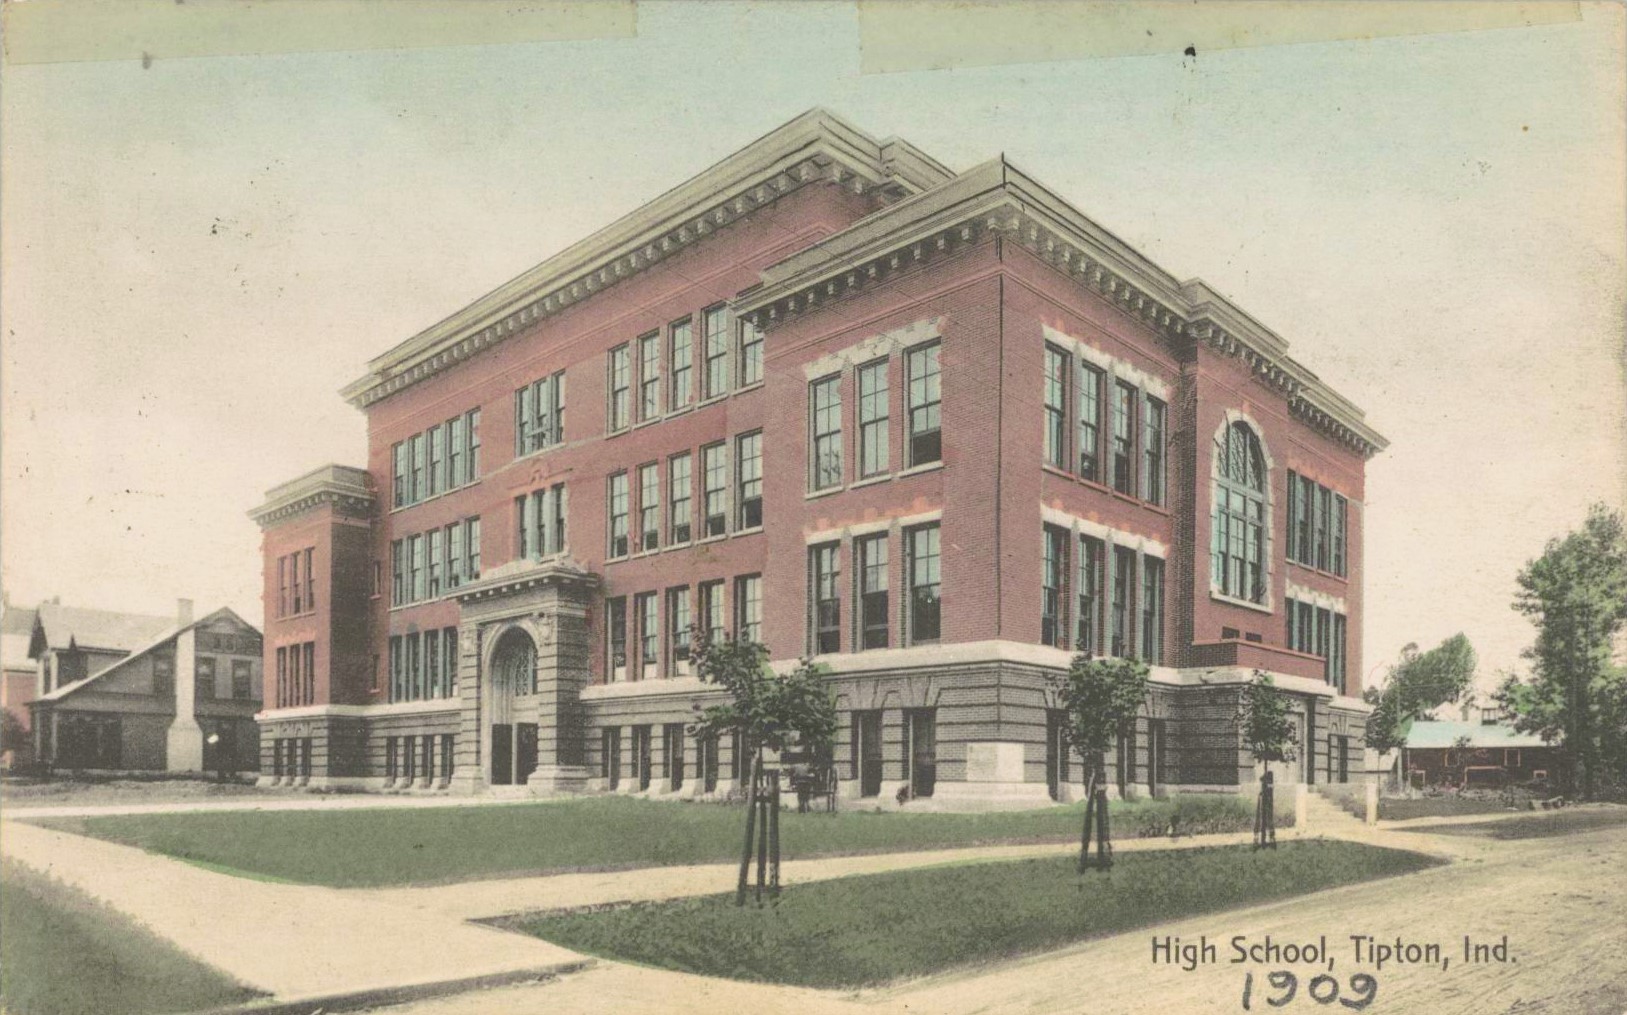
(348, 489)
(818, 145)
(998, 199)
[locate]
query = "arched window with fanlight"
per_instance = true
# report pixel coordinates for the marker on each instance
(1238, 534)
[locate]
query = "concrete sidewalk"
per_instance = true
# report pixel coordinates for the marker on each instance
(291, 941)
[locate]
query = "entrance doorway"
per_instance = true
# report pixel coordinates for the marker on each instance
(513, 745)
(921, 750)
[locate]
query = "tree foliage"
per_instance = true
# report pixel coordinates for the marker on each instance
(768, 710)
(1264, 721)
(1576, 594)
(1416, 685)
(1101, 697)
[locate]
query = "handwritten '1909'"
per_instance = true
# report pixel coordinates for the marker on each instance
(1322, 989)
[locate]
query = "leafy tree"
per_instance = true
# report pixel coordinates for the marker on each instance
(1101, 698)
(1419, 683)
(1576, 594)
(1263, 720)
(12, 734)
(768, 711)
(1268, 734)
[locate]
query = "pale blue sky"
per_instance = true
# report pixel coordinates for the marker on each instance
(198, 254)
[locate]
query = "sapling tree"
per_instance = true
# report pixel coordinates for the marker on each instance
(1268, 734)
(1101, 698)
(767, 711)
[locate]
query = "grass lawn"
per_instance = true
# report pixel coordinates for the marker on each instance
(64, 952)
(367, 848)
(1538, 825)
(1402, 808)
(866, 931)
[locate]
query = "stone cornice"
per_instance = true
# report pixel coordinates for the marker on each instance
(348, 490)
(813, 147)
(523, 575)
(997, 199)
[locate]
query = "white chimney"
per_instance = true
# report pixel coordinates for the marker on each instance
(183, 612)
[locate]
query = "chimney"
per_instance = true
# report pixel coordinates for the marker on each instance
(183, 612)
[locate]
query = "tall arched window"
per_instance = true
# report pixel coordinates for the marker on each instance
(1237, 539)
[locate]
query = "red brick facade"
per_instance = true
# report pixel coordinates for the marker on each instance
(844, 254)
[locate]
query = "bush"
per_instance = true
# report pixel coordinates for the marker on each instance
(1195, 814)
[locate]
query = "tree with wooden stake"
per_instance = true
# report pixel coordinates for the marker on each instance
(1101, 698)
(766, 712)
(1268, 735)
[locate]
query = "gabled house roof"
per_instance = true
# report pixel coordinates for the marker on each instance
(153, 644)
(1429, 734)
(59, 627)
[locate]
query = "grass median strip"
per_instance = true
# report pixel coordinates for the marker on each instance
(64, 953)
(373, 848)
(872, 930)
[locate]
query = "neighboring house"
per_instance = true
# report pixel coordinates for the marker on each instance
(18, 675)
(1470, 753)
(124, 707)
(938, 431)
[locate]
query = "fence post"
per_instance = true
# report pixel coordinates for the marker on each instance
(1372, 802)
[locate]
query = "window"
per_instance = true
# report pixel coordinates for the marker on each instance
(649, 635)
(1056, 408)
(1152, 611)
(714, 503)
(1300, 495)
(204, 678)
(610, 756)
(715, 324)
(449, 671)
(1318, 631)
(680, 630)
(925, 602)
(681, 354)
(418, 574)
(617, 503)
(825, 621)
(649, 506)
(432, 663)
(528, 540)
(748, 608)
(1124, 397)
(1237, 542)
(751, 353)
(418, 462)
(1124, 561)
(873, 419)
(539, 414)
(437, 460)
(398, 574)
(473, 416)
(1341, 514)
(456, 454)
(436, 550)
(616, 631)
(1090, 422)
(679, 484)
(749, 476)
(1092, 555)
(649, 376)
(400, 456)
(825, 396)
(872, 574)
(620, 381)
(926, 443)
(297, 585)
(471, 568)
(711, 605)
(164, 676)
(1053, 622)
(1324, 512)
(1154, 417)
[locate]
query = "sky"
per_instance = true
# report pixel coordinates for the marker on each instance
(197, 253)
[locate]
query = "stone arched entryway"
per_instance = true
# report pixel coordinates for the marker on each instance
(513, 739)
